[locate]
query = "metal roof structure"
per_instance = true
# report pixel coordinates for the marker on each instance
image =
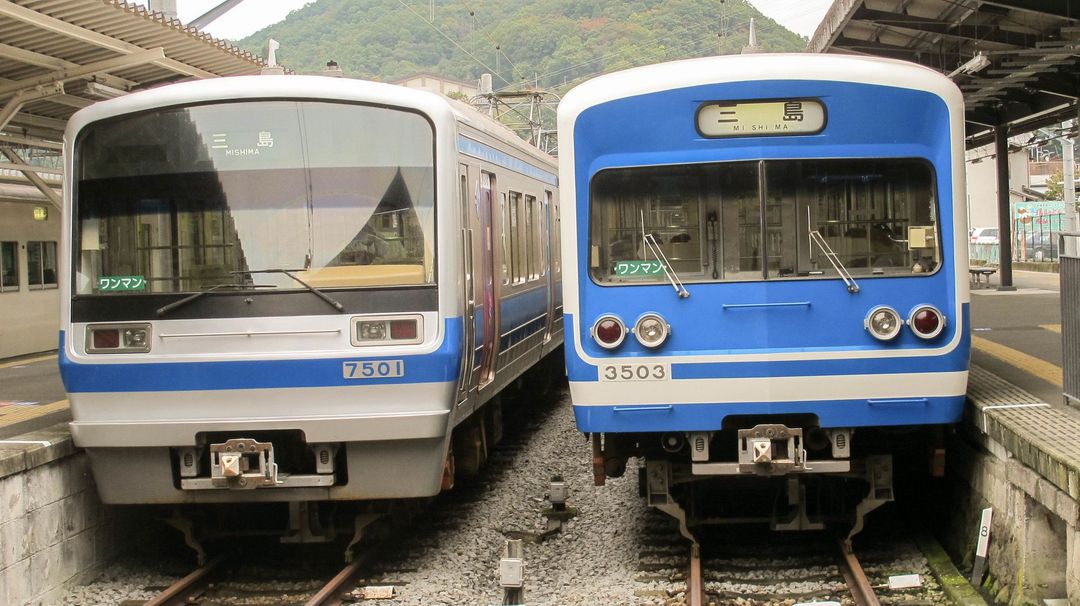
(58, 56)
(1016, 61)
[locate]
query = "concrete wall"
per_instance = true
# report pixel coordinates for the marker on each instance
(29, 319)
(54, 532)
(1035, 535)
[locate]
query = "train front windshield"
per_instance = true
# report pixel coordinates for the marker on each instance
(193, 198)
(763, 220)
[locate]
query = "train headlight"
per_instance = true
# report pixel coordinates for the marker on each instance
(651, 330)
(387, 330)
(883, 323)
(118, 338)
(372, 331)
(609, 331)
(926, 322)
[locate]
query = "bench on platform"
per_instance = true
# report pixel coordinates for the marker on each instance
(978, 273)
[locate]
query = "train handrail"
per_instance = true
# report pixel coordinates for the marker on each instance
(845, 275)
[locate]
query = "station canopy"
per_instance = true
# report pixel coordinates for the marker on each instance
(58, 56)
(1016, 61)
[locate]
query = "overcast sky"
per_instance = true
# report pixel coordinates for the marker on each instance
(800, 16)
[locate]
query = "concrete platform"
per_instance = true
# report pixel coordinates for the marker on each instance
(1042, 436)
(1019, 456)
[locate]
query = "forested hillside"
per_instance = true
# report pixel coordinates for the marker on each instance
(555, 43)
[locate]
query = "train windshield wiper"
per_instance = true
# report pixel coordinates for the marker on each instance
(673, 277)
(845, 275)
(164, 309)
(290, 272)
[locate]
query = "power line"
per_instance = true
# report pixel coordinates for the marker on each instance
(498, 47)
(452, 41)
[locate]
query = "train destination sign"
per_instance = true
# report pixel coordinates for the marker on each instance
(756, 118)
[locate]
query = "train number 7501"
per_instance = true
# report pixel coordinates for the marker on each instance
(635, 372)
(373, 369)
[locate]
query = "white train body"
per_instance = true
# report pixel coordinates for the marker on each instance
(309, 265)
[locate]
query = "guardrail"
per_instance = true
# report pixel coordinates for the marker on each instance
(1070, 319)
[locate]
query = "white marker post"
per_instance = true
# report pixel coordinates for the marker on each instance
(981, 546)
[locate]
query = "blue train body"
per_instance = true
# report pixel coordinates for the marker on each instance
(791, 229)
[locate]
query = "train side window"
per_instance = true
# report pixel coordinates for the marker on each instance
(9, 266)
(556, 235)
(517, 244)
(507, 255)
(545, 236)
(41, 265)
(532, 226)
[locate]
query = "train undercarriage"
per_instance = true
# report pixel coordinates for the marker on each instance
(788, 474)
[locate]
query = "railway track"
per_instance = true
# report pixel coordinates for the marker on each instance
(736, 566)
(208, 585)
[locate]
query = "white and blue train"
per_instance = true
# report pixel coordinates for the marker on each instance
(289, 288)
(767, 275)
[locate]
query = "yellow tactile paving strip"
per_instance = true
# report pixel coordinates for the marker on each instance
(25, 361)
(1030, 364)
(9, 415)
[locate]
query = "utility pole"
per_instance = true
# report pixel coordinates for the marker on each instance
(1068, 184)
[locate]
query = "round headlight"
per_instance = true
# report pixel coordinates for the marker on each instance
(609, 332)
(926, 321)
(883, 323)
(651, 330)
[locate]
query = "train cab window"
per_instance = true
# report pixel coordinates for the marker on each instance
(41, 265)
(764, 220)
(193, 198)
(9, 266)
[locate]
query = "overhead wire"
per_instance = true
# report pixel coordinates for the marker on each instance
(498, 47)
(452, 41)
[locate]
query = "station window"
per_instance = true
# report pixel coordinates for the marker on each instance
(41, 265)
(9, 266)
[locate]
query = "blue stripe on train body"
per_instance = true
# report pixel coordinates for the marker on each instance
(833, 320)
(439, 366)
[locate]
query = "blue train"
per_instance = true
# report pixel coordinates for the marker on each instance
(769, 275)
(298, 289)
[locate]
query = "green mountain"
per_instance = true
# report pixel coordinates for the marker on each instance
(554, 43)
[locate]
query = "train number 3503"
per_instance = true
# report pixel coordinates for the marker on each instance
(373, 369)
(635, 372)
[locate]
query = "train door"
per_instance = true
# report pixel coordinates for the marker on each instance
(548, 243)
(468, 316)
(489, 321)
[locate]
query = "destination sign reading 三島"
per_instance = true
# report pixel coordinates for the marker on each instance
(756, 118)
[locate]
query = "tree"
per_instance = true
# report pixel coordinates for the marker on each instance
(1055, 186)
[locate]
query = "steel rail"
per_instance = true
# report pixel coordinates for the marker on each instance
(331, 593)
(855, 577)
(695, 583)
(177, 593)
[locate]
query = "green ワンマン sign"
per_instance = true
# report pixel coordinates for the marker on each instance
(638, 269)
(120, 283)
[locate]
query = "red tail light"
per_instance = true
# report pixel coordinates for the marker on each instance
(108, 338)
(403, 329)
(926, 322)
(609, 332)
